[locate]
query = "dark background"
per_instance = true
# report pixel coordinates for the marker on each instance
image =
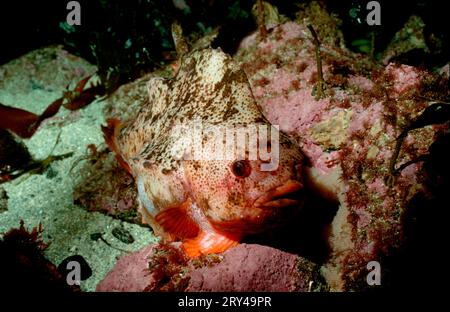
(26, 25)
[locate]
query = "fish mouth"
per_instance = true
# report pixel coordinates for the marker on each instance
(286, 195)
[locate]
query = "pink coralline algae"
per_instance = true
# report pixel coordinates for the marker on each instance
(247, 267)
(349, 137)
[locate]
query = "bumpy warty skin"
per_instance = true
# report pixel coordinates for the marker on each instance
(208, 87)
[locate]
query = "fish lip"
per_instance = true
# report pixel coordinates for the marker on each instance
(278, 196)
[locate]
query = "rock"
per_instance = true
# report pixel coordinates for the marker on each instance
(410, 38)
(246, 267)
(251, 267)
(123, 235)
(105, 187)
(330, 134)
(27, 73)
(348, 137)
(130, 273)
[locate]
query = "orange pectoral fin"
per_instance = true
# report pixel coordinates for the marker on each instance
(177, 221)
(208, 242)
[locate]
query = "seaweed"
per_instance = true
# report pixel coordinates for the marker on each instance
(80, 97)
(99, 237)
(168, 265)
(24, 123)
(15, 160)
(436, 113)
(320, 86)
(261, 23)
(23, 266)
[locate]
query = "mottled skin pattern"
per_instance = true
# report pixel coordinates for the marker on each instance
(211, 87)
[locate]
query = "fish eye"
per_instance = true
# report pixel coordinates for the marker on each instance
(241, 168)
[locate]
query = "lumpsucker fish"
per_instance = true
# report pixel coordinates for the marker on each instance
(206, 171)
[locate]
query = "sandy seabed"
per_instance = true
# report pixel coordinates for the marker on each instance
(32, 82)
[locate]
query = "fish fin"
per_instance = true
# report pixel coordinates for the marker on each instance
(209, 242)
(177, 221)
(110, 133)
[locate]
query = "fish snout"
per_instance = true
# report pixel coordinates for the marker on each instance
(285, 195)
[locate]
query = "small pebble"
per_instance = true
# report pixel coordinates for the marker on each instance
(123, 235)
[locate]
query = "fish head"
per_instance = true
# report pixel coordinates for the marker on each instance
(251, 191)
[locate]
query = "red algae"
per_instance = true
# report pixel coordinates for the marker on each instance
(367, 113)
